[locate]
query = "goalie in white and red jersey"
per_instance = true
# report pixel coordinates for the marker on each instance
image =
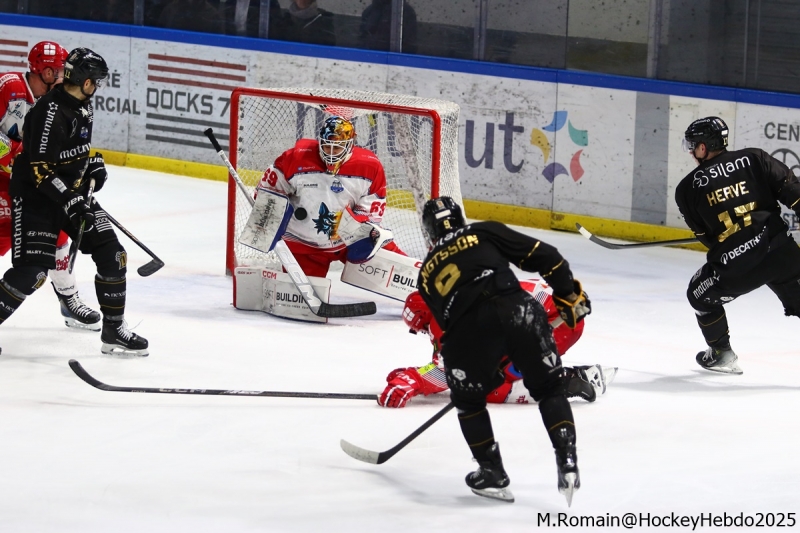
(585, 382)
(337, 195)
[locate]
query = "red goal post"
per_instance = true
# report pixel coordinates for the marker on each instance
(416, 140)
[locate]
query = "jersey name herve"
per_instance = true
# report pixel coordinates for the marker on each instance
(318, 198)
(730, 202)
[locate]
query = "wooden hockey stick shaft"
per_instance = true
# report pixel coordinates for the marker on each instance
(148, 268)
(378, 458)
(613, 246)
(85, 376)
(289, 262)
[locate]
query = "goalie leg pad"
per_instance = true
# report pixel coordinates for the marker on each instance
(268, 220)
(387, 273)
(273, 292)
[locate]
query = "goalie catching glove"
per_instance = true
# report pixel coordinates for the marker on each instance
(362, 237)
(573, 311)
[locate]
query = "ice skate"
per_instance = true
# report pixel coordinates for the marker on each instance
(119, 340)
(77, 314)
(490, 479)
(598, 376)
(719, 360)
(569, 478)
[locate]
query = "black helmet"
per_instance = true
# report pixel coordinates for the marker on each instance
(711, 131)
(440, 216)
(83, 64)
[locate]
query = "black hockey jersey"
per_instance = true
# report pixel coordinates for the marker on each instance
(731, 203)
(56, 140)
(471, 264)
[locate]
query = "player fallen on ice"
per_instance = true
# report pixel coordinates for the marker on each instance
(18, 92)
(337, 196)
(50, 184)
(585, 382)
(731, 203)
(466, 282)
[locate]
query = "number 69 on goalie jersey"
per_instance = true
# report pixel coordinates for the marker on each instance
(268, 220)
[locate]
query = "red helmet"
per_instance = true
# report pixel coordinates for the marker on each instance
(416, 314)
(46, 54)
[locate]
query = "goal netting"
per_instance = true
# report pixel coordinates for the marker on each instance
(415, 138)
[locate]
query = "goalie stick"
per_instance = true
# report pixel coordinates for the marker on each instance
(287, 259)
(613, 246)
(85, 376)
(377, 458)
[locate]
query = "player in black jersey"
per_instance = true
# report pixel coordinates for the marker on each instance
(477, 300)
(49, 189)
(730, 201)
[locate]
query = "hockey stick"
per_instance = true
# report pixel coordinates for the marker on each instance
(149, 268)
(378, 458)
(85, 376)
(612, 246)
(287, 259)
(76, 244)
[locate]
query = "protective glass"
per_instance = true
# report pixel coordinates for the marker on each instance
(688, 145)
(100, 82)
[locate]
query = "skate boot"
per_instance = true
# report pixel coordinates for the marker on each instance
(119, 340)
(77, 314)
(598, 376)
(490, 479)
(719, 360)
(569, 478)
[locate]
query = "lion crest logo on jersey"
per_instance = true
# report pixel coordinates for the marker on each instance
(326, 221)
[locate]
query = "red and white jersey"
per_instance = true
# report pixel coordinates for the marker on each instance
(318, 198)
(16, 98)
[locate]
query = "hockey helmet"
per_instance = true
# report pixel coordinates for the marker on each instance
(84, 64)
(46, 54)
(711, 131)
(336, 139)
(440, 216)
(416, 314)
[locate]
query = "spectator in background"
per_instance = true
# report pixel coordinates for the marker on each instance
(192, 15)
(376, 26)
(307, 23)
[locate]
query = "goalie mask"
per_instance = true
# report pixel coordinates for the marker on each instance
(440, 216)
(711, 131)
(336, 139)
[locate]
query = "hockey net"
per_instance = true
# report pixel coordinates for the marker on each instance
(416, 140)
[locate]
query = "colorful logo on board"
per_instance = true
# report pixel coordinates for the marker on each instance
(578, 137)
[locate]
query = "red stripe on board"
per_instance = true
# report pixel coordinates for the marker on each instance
(193, 61)
(11, 53)
(14, 43)
(192, 83)
(193, 72)
(12, 64)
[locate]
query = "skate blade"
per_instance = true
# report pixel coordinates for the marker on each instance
(75, 324)
(609, 372)
(119, 351)
(504, 495)
(570, 489)
(730, 368)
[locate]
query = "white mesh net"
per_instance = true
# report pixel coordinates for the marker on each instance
(399, 129)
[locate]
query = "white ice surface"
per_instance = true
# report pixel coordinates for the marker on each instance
(667, 438)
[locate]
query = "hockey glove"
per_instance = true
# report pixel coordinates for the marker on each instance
(9, 148)
(79, 211)
(96, 169)
(362, 237)
(405, 383)
(573, 311)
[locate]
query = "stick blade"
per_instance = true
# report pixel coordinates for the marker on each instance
(366, 456)
(150, 268)
(346, 310)
(85, 376)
